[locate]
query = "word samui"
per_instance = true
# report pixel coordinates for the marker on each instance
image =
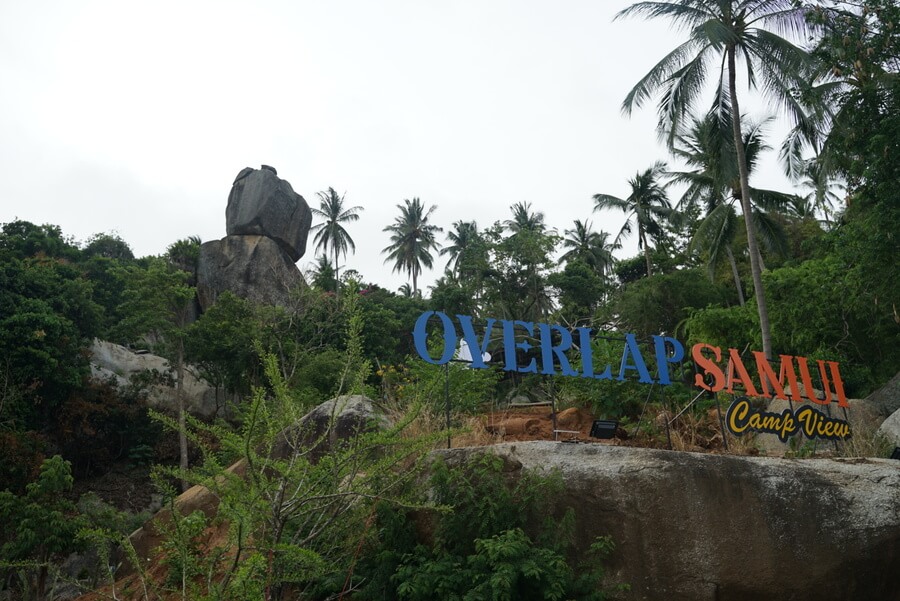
(552, 344)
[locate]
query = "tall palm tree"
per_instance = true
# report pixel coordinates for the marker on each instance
(463, 239)
(647, 207)
(589, 246)
(331, 233)
(721, 32)
(412, 239)
(714, 184)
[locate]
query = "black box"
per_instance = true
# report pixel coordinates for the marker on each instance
(604, 428)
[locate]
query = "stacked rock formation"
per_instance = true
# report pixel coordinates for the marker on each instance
(267, 225)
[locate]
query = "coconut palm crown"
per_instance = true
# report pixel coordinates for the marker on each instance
(412, 239)
(721, 33)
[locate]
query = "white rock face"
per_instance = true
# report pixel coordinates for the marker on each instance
(698, 527)
(110, 360)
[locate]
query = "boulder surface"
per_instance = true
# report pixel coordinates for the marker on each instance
(111, 361)
(251, 267)
(706, 527)
(263, 204)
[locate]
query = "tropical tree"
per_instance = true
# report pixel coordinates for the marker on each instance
(463, 240)
(524, 219)
(331, 234)
(714, 186)
(721, 33)
(412, 240)
(647, 207)
(321, 274)
(590, 247)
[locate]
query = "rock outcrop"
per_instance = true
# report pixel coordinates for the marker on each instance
(262, 204)
(890, 428)
(111, 361)
(702, 527)
(251, 267)
(267, 225)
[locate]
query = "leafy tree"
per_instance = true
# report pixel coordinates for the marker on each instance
(331, 233)
(412, 240)
(23, 239)
(580, 292)
(39, 525)
(158, 303)
(720, 34)
(646, 207)
(184, 254)
(109, 246)
(659, 304)
(221, 344)
(516, 281)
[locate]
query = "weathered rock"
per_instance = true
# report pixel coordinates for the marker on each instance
(251, 267)
(890, 428)
(705, 527)
(262, 204)
(114, 362)
(887, 398)
(341, 418)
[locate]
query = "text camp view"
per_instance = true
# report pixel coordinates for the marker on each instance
(555, 341)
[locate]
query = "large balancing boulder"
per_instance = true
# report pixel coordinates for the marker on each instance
(251, 267)
(262, 204)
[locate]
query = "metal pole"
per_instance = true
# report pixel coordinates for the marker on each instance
(447, 398)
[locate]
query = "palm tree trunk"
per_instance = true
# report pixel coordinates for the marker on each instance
(646, 253)
(337, 281)
(735, 274)
(755, 268)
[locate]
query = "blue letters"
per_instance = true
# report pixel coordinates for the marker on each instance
(663, 359)
(631, 346)
(548, 350)
(420, 337)
(510, 345)
(477, 349)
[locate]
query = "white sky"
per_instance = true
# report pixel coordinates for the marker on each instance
(135, 117)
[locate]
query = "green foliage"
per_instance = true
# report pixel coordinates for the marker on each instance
(23, 239)
(469, 389)
(296, 517)
(39, 524)
(580, 292)
(608, 398)
(481, 548)
(155, 301)
(658, 304)
(221, 343)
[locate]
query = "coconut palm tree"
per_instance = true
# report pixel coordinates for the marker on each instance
(647, 208)
(589, 246)
(412, 239)
(524, 220)
(330, 234)
(721, 33)
(463, 239)
(713, 186)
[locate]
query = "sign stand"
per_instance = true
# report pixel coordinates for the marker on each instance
(447, 398)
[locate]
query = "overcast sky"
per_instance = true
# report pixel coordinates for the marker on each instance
(135, 117)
